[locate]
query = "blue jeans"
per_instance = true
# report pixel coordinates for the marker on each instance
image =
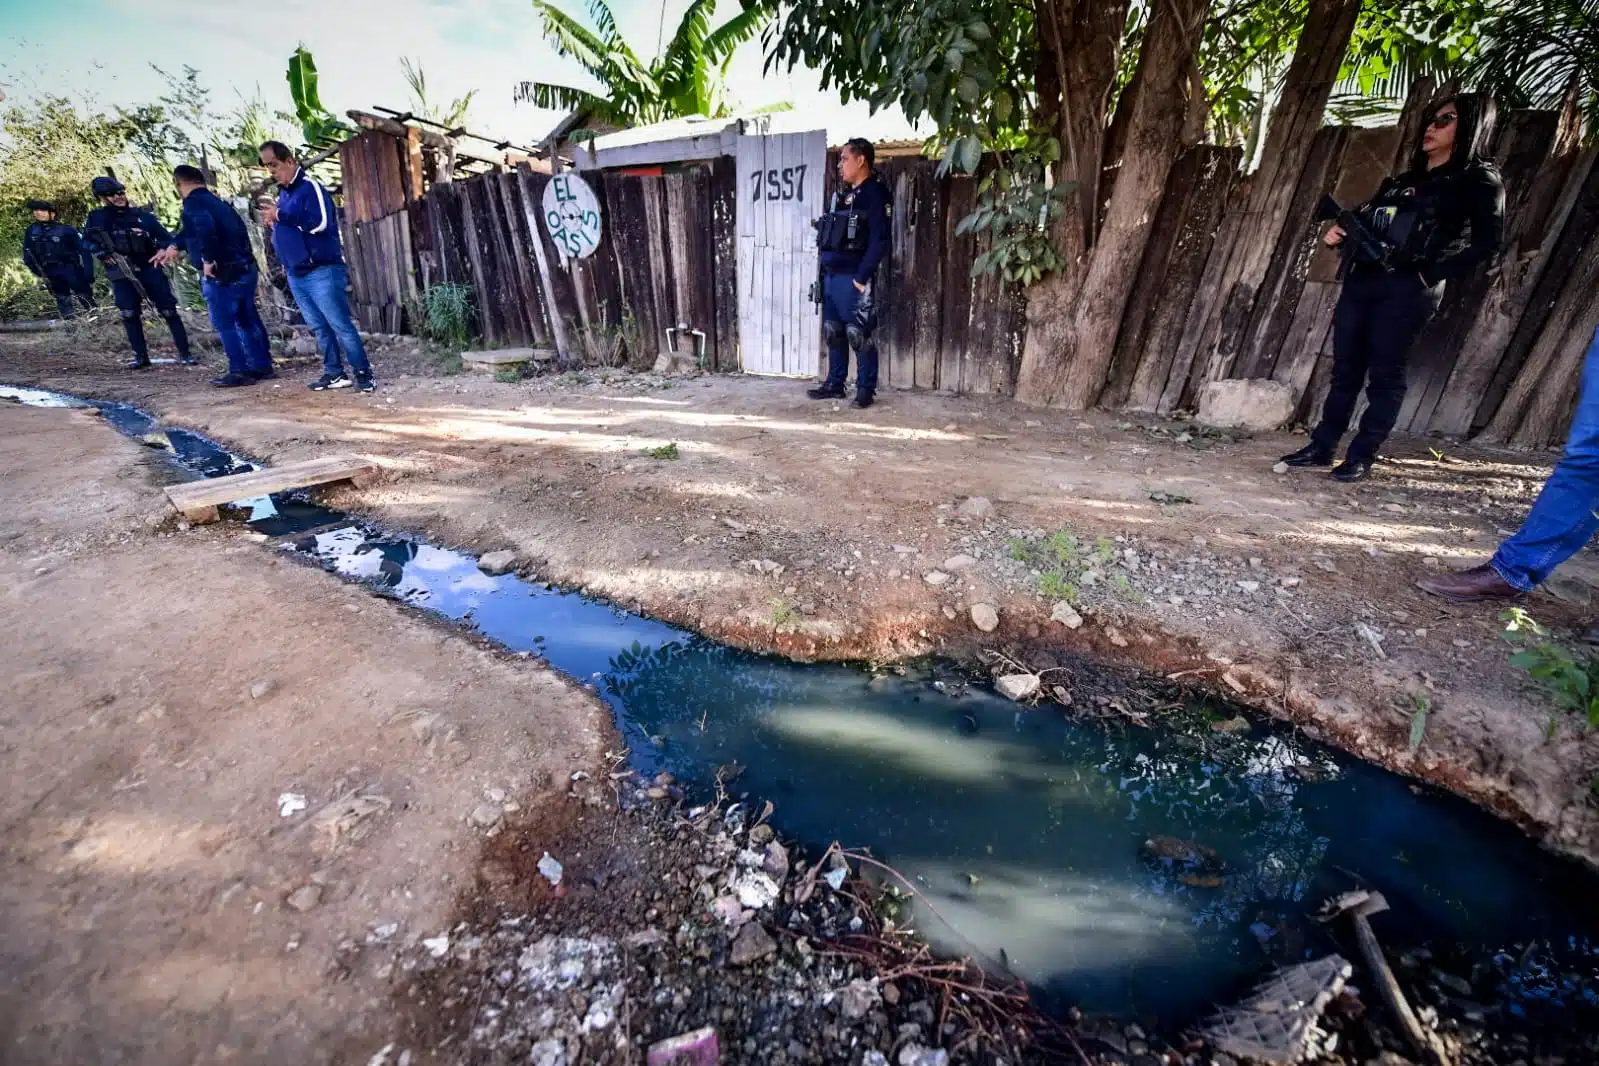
(326, 306)
(1562, 518)
(238, 323)
(848, 319)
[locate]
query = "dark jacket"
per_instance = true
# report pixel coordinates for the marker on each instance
(307, 233)
(136, 234)
(51, 248)
(1441, 223)
(213, 232)
(870, 200)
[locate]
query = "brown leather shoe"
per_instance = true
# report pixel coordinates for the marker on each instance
(1468, 586)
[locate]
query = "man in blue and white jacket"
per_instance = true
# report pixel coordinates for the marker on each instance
(305, 235)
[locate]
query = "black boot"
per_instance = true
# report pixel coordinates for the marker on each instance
(1310, 455)
(824, 391)
(140, 362)
(1352, 470)
(863, 399)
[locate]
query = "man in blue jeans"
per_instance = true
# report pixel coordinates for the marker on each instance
(1560, 522)
(305, 235)
(219, 244)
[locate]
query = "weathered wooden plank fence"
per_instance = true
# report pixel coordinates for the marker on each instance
(1501, 359)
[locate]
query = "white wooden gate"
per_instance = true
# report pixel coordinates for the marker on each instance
(779, 193)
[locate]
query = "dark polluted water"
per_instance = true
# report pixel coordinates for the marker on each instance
(1027, 829)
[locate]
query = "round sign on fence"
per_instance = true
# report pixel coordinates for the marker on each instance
(572, 215)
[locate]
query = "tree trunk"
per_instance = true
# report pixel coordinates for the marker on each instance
(1239, 266)
(1159, 100)
(1080, 39)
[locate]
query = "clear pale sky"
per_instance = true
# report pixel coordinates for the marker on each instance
(99, 52)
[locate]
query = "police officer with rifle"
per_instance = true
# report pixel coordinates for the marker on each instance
(1434, 223)
(52, 251)
(126, 240)
(852, 240)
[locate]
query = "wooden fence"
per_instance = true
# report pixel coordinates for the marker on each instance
(666, 258)
(1501, 360)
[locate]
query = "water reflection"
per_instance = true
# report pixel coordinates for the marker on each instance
(1029, 832)
(1052, 846)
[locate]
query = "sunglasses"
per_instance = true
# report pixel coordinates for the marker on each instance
(1443, 121)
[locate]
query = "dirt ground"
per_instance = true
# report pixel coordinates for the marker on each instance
(808, 528)
(163, 690)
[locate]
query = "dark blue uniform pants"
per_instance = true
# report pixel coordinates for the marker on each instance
(848, 319)
(126, 297)
(238, 323)
(65, 283)
(1377, 322)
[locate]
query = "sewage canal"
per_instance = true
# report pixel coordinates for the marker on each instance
(1047, 841)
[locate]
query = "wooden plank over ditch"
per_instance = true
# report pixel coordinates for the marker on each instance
(198, 500)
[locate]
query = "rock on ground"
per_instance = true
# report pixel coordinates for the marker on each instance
(1066, 615)
(1017, 687)
(1251, 403)
(499, 562)
(753, 943)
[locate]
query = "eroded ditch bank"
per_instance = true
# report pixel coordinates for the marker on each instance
(1145, 872)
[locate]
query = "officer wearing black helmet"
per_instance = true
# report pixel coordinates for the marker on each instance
(126, 239)
(53, 252)
(852, 240)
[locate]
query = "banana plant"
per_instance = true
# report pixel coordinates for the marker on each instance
(319, 125)
(688, 77)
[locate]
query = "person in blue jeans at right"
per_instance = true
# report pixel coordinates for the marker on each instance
(219, 245)
(852, 239)
(1560, 522)
(305, 235)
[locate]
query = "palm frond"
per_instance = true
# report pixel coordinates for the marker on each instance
(1531, 52)
(744, 26)
(565, 98)
(573, 40)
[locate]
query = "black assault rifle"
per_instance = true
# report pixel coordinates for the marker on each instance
(109, 253)
(1360, 244)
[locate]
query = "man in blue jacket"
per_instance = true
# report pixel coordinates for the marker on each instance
(125, 240)
(53, 252)
(851, 240)
(218, 243)
(305, 235)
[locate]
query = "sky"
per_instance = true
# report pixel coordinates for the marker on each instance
(100, 52)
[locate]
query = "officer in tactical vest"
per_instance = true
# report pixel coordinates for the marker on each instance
(852, 239)
(53, 251)
(126, 239)
(1435, 223)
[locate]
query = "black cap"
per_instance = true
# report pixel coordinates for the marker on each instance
(104, 186)
(41, 205)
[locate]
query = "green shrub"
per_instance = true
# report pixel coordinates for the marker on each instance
(1571, 679)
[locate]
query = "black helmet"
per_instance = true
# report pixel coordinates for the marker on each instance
(104, 186)
(41, 205)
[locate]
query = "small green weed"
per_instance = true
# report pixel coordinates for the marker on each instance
(1437, 455)
(1570, 680)
(665, 451)
(1063, 546)
(782, 612)
(1019, 550)
(1105, 550)
(1052, 585)
(507, 377)
(1418, 720)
